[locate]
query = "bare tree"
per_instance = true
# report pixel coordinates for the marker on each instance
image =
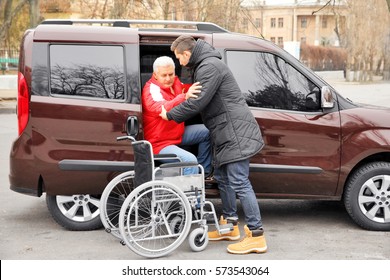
(386, 49)
(365, 36)
(10, 14)
(95, 8)
(224, 13)
(366, 32)
(165, 7)
(203, 7)
(35, 15)
(120, 9)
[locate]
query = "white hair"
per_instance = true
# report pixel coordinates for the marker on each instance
(163, 61)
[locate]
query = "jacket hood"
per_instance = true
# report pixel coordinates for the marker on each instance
(201, 51)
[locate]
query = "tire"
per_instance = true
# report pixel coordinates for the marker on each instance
(76, 212)
(195, 242)
(145, 220)
(367, 196)
(176, 224)
(112, 199)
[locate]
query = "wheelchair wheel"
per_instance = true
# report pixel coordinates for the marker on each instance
(195, 240)
(176, 224)
(155, 219)
(112, 199)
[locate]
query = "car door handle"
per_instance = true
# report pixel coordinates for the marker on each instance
(132, 126)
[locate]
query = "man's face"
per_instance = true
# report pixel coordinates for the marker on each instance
(183, 57)
(165, 75)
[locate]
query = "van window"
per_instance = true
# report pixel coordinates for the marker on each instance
(270, 82)
(87, 71)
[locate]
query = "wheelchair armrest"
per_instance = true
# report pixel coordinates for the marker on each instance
(178, 164)
(165, 156)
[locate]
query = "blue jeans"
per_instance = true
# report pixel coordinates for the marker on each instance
(233, 182)
(196, 134)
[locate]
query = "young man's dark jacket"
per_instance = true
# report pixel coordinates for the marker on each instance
(234, 131)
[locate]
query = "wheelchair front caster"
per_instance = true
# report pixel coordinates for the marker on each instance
(198, 239)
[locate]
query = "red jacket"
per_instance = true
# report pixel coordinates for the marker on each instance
(161, 133)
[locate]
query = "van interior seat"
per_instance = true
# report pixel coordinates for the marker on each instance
(144, 78)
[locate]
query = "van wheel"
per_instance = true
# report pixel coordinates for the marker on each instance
(367, 196)
(75, 212)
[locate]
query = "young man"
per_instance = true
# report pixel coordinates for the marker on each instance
(235, 135)
(166, 137)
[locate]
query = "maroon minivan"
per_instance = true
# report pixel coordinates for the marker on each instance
(79, 88)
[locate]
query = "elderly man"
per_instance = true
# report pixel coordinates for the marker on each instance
(168, 137)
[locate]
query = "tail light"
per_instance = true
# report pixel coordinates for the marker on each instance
(23, 103)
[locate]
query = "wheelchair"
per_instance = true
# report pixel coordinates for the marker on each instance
(115, 193)
(159, 205)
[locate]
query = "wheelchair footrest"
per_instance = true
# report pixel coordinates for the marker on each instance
(225, 228)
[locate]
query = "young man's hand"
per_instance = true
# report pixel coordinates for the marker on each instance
(193, 91)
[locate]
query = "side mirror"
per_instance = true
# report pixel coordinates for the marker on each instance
(132, 126)
(327, 101)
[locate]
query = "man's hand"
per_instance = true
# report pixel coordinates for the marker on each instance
(194, 90)
(163, 113)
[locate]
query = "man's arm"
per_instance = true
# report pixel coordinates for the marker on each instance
(152, 100)
(210, 79)
(192, 92)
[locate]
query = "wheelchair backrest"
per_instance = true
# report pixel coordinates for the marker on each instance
(143, 162)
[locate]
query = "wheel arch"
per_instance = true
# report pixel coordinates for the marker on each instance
(372, 158)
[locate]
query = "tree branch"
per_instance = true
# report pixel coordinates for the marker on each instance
(8, 21)
(323, 7)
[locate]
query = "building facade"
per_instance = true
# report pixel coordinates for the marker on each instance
(307, 22)
(312, 22)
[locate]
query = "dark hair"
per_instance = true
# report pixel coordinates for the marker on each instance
(183, 43)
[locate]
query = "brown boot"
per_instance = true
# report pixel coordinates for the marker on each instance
(253, 242)
(232, 235)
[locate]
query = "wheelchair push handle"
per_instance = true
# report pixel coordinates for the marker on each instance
(127, 137)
